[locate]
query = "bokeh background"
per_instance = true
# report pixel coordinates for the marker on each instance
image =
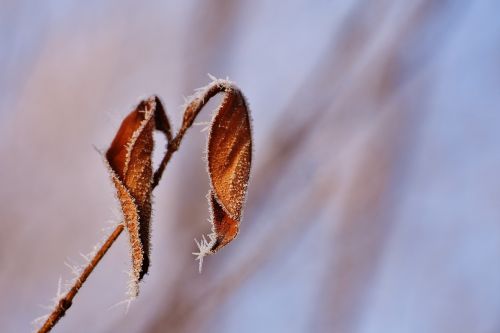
(374, 199)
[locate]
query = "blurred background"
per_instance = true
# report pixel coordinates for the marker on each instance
(374, 198)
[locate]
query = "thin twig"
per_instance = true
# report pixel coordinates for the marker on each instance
(192, 110)
(65, 303)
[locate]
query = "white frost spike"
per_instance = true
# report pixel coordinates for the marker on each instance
(203, 123)
(127, 301)
(204, 247)
(211, 77)
(37, 322)
(75, 269)
(85, 257)
(59, 294)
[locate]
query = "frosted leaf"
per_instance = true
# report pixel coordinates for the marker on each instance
(129, 161)
(229, 156)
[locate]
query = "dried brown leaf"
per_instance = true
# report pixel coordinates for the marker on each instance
(130, 163)
(229, 157)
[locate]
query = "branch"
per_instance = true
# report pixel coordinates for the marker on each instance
(65, 303)
(194, 107)
(192, 110)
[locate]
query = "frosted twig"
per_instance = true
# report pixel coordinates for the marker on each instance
(193, 106)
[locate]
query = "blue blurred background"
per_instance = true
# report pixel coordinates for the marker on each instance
(374, 199)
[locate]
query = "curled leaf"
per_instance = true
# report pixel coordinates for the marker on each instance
(130, 163)
(229, 157)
